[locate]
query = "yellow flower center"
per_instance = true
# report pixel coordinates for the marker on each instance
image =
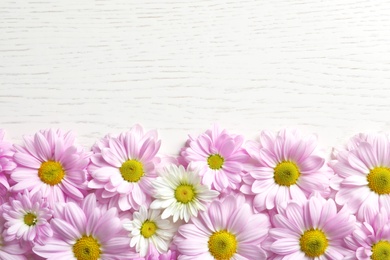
(30, 219)
(286, 173)
(87, 248)
(51, 172)
(215, 161)
(381, 250)
(148, 228)
(184, 193)
(132, 170)
(222, 245)
(313, 242)
(379, 180)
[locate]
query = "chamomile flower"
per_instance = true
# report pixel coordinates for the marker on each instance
(219, 156)
(148, 229)
(371, 239)
(227, 230)
(180, 193)
(364, 169)
(286, 166)
(313, 230)
(27, 218)
(10, 250)
(86, 231)
(122, 168)
(51, 163)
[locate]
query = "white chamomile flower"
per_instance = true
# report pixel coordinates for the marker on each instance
(180, 193)
(147, 228)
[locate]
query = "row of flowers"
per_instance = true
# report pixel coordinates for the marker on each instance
(222, 197)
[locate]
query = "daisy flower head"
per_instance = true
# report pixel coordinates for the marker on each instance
(219, 156)
(123, 170)
(371, 238)
(227, 230)
(365, 172)
(10, 250)
(27, 218)
(86, 232)
(6, 166)
(286, 166)
(149, 231)
(50, 162)
(314, 230)
(180, 193)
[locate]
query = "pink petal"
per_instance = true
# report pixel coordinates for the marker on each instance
(42, 147)
(138, 195)
(217, 216)
(227, 148)
(248, 251)
(71, 190)
(27, 160)
(111, 157)
(311, 164)
(118, 148)
(297, 194)
(103, 174)
(332, 253)
(65, 230)
(123, 203)
(285, 246)
(260, 186)
(314, 209)
(295, 216)
(75, 216)
(357, 164)
(21, 174)
(366, 155)
(355, 181)
(381, 150)
(268, 159)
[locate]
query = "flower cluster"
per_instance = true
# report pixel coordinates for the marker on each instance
(221, 197)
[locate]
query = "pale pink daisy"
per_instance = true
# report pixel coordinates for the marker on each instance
(285, 166)
(180, 193)
(86, 232)
(10, 250)
(27, 218)
(218, 155)
(124, 168)
(51, 163)
(6, 166)
(371, 239)
(227, 230)
(149, 230)
(314, 230)
(365, 172)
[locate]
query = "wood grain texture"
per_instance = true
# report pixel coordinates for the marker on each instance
(179, 66)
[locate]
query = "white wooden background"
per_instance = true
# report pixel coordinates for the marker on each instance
(96, 66)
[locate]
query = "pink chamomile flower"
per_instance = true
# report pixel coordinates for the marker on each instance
(27, 218)
(285, 166)
(124, 168)
(314, 230)
(227, 230)
(364, 169)
(86, 232)
(50, 162)
(10, 250)
(218, 155)
(371, 238)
